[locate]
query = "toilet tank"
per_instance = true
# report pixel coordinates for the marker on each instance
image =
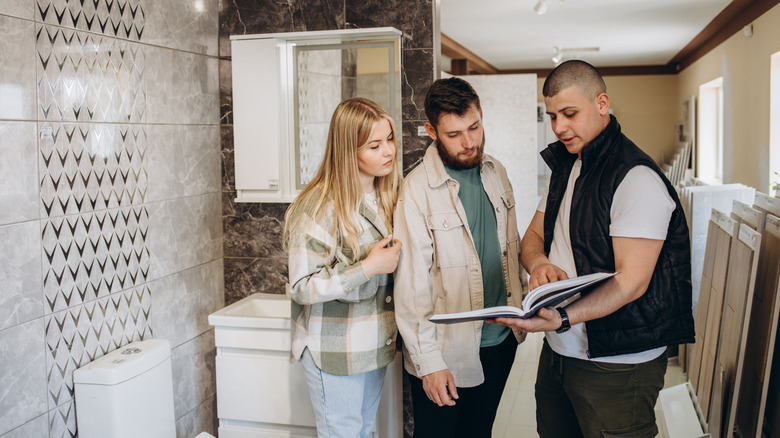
(128, 393)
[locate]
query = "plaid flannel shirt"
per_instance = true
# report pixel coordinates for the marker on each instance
(345, 319)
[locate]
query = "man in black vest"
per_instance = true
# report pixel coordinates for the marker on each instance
(607, 208)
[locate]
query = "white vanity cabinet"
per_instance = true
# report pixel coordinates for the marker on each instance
(260, 394)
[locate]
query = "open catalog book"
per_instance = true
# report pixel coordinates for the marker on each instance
(546, 295)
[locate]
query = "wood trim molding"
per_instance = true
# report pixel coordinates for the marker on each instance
(453, 50)
(734, 17)
(731, 20)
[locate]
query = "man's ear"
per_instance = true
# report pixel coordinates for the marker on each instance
(603, 102)
(430, 130)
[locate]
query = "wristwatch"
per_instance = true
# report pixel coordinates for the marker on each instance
(565, 326)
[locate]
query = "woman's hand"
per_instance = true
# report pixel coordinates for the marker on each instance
(383, 257)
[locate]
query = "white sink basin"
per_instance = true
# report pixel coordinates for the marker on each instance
(255, 311)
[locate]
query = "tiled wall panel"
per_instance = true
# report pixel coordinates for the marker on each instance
(182, 87)
(86, 161)
(20, 268)
(18, 172)
(17, 76)
(23, 380)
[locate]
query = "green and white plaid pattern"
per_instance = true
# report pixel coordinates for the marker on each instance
(345, 319)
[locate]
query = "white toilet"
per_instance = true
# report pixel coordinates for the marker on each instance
(128, 393)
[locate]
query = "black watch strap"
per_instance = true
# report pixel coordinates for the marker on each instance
(565, 326)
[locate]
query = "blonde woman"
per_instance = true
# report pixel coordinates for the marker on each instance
(338, 234)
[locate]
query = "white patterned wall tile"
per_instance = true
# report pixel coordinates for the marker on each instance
(17, 77)
(116, 18)
(36, 428)
(184, 232)
(87, 167)
(18, 172)
(183, 161)
(183, 301)
(190, 25)
(182, 88)
(311, 149)
(89, 78)
(62, 421)
(20, 268)
(89, 256)
(509, 110)
(83, 333)
(194, 367)
(23, 376)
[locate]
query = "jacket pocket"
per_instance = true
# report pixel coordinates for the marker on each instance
(449, 239)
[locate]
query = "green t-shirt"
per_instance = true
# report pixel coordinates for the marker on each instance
(482, 223)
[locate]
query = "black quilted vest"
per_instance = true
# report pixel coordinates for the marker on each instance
(663, 315)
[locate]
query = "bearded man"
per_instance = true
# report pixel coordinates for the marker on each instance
(456, 218)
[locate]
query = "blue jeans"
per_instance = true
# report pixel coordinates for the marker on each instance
(344, 406)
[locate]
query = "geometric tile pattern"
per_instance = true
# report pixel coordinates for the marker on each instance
(88, 167)
(92, 255)
(81, 334)
(118, 18)
(86, 77)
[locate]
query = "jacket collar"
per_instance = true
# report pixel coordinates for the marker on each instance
(368, 213)
(434, 167)
(556, 154)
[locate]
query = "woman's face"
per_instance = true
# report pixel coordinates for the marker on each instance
(377, 157)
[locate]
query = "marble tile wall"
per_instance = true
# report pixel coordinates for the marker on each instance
(253, 255)
(254, 260)
(110, 199)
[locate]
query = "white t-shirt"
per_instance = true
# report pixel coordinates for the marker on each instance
(641, 208)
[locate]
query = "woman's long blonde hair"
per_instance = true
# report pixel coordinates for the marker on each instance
(337, 181)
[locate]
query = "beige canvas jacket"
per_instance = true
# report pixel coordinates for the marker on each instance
(439, 270)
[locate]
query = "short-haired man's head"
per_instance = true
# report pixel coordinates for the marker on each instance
(574, 72)
(449, 96)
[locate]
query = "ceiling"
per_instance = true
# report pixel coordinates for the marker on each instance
(510, 36)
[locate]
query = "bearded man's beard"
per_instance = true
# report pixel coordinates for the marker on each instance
(457, 162)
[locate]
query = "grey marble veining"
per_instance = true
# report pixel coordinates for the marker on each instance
(23, 379)
(413, 19)
(226, 92)
(20, 268)
(246, 17)
(183, 88)
(245, 276)
(183, 301)
(183, 233)
(416, 77)
(228, 162)
(189, 25)
(194, 367)
(254, 230)
(182, 161)
(17, 76)
(36, 428)
(18, 172)
(18, 8)
(201, 419)
(414, 145)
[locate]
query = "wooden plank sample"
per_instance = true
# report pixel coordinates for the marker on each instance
(719, 223)
(712, 327)
(740, 285)
(762, 330)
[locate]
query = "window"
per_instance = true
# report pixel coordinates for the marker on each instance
(710, 132)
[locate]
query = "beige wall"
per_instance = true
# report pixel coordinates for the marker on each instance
(743, 62)
(645, 107)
